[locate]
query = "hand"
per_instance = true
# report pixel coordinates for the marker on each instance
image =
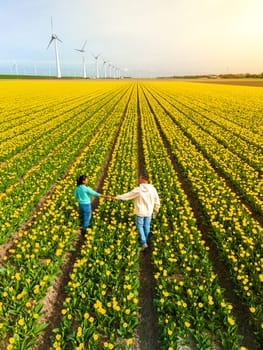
(108, 197)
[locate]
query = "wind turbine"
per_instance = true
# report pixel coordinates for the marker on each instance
(55, 38)
(104, 65)
(110, 65)
(96, 57)
(117, 70)
(82, 51)
(15, 67)
(113, 67)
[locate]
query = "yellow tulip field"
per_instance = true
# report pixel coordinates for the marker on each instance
(202, 146)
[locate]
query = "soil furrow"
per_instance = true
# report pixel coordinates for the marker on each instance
(185, 105)
(148, 331)
(255, 212)
(54, 149)
(10, 241)
(240, 310)
(53, 302)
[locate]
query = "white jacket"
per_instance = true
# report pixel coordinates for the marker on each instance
(146, 199)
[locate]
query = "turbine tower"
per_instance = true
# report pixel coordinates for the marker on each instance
(96, 57)
(104, 65)
(113, 67)
(15, 67)
(110, 66)
(82, 51)
(55, 38)
(117, 72)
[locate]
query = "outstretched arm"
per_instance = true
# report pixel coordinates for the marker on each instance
(129, 195)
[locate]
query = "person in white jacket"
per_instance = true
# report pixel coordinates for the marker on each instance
(146, 203)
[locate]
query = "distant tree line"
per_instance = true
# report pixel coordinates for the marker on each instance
(217, 76)
(240, 76)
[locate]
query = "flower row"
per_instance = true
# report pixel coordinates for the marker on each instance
(101, 306)
(243, 176)
(18, 204)
(190, 302)
(32, 264)
(235, 108)
(237, 235)
(63, 123)
(41, 119)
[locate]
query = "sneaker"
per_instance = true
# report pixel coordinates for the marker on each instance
(144, 246)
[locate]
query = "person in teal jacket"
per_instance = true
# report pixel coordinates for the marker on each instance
(83, 195)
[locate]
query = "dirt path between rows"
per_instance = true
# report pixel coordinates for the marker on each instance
(148, 331)
(53, 301)
(4, 248)
(240, 310)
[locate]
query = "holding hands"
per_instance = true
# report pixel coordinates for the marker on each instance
(108, 197)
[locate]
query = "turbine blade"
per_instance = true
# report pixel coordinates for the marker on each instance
(92, 54)
(83, 47)
(51, 25)
(59, 40)
(50, 41)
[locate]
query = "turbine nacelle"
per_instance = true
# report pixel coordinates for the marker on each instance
(53, 37)
(96, 57)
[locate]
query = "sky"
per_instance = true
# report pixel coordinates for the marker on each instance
(143, 38)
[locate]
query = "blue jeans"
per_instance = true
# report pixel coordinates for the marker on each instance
(85, 214)
(143, 226)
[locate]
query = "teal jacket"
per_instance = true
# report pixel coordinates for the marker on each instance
(83, 194)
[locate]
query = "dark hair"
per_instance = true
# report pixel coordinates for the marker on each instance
(81, 179)
(145, 177)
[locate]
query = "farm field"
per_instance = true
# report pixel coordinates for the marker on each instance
(199, 285)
